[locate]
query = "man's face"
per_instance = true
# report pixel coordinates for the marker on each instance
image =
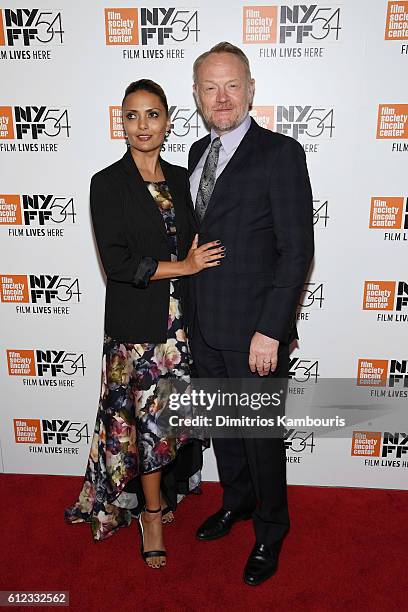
(223, 91)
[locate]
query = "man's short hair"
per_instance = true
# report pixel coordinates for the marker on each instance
(222, 47)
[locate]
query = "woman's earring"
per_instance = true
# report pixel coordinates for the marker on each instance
(165, 139)
(127, 140)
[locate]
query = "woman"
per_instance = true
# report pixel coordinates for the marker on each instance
(143, 221)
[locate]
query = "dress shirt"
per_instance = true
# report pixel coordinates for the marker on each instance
(229, 144)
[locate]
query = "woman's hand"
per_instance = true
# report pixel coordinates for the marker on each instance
(205, 256)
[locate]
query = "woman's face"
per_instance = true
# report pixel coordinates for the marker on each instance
(145, 121)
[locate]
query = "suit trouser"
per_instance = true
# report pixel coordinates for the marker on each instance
(252, 471)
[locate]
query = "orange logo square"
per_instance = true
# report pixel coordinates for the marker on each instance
(386, 213)
(396, 25)
(21, 363)
(14, 288)
(366, 444)
(27, 431)
(260, 24)
(115, 123)
(392, 121)
(121, 26)
(379, 295)
(6, 123)
(2, 40)
(372, 372)
(10, 210)
(264, 116)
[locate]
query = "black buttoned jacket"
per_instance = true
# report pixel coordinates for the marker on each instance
(261, 209)
(128, 227)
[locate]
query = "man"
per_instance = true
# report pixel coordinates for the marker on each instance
(251, 191)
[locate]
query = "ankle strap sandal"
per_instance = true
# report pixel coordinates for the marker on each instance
(149, 553)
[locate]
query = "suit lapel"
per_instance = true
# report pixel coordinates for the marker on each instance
(196, 153)
(143, 197)
(239, 158)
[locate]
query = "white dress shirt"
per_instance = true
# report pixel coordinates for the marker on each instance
(229, 144)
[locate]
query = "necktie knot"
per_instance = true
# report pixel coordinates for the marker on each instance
(216, 143)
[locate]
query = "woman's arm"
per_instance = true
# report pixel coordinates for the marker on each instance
(127, 266)
(119, 262)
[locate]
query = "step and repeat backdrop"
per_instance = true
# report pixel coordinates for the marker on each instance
(334, 77)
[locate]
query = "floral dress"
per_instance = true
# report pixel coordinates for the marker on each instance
(128, 439)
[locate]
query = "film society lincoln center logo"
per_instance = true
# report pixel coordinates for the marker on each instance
(45, 367)
(50, 435)
(154, 26)
(390, 447)
(390, 214)
(388, 297)
(392, 124)
(382, 373)
(293, 24)
(396, 24)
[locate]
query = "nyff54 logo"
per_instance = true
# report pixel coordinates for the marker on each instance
(389, 213)
(382, 372)
(392, 121)
(296, 23)
(312, 295)
(299, 441)
(320, 213)
(28, 27)
(185, 122)
(296, 121)
(34, 122)
(386, 444)
(36, 209)
(39, 289)
(385, 295)
(49, 431)
(45, 363)
(145, 26)
(304, 370)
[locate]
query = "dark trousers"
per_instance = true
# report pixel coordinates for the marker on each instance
(252, 471)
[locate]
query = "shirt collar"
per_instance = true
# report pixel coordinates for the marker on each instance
(232, 139)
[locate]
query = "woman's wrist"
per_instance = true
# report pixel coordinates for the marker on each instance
(171, 269)
(183, 267)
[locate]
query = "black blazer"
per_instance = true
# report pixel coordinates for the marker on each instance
(262, 211)
(129, 226)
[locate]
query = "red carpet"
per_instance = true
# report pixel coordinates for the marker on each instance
(346, 551)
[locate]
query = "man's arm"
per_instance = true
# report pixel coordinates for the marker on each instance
(292, 209)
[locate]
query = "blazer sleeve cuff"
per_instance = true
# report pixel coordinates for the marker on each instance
(145, 270)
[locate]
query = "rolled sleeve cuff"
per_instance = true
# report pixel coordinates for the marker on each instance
(145, 270)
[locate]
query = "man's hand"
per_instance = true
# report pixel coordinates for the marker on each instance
(263, 354)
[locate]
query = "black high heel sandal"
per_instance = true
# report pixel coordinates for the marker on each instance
(149, 553)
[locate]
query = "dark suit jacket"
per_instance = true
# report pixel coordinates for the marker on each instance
(262, 211)
(129, 226)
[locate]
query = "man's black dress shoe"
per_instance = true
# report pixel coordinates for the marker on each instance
(262, 563)
(220, 523)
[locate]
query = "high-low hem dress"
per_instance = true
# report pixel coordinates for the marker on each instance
(128, 439)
